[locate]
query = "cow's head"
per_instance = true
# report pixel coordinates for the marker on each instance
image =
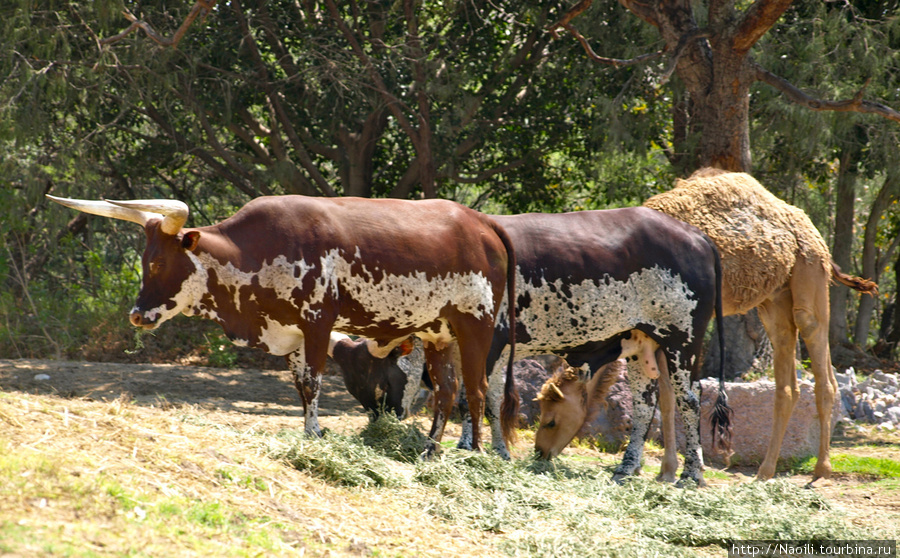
(167, 266)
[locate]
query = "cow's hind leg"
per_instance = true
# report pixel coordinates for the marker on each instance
(474, 337)
(440, 363)
(493, 403)
(689, 407)
(778, 318)
(643, 405)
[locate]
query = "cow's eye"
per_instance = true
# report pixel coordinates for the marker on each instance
(551, 424)
(155, 267)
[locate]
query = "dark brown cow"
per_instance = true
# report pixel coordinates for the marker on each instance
(283, 272)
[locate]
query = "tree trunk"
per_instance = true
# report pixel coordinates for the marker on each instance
(716, 73)
(843, 238)
(870, 265)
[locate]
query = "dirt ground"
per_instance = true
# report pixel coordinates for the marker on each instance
(266, 399)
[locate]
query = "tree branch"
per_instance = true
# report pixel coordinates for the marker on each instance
(856, 104)
(757, 20)
(576, 11)
(201, 8)
(642, 10)
(614, 62)
(280, 112)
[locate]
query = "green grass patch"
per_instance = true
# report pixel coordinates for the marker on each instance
(876, 467)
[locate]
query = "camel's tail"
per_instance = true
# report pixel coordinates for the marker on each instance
(854, 282)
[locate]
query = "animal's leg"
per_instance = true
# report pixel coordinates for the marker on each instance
(496, 383)
(809, 286)
(308, 384)
(689, 407)
(439, 362)
(474, 337)
(643, 403)
(778, 318)
(493, 403)
(667, 412)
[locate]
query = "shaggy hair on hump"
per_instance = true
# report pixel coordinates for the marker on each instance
(736, 212)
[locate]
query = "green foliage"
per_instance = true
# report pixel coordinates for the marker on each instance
(504, 118)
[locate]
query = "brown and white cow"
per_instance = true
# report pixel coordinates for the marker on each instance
(283, 272)
(593, 286)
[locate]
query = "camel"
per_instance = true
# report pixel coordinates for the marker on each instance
(775, 260)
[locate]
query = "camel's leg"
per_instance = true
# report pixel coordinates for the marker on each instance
(809, 285)
(777, 316)
(667, 413)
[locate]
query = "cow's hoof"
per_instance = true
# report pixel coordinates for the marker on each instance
(432, 450)
(464, 444)
(504, 454)
(619, 478)
(688, 481)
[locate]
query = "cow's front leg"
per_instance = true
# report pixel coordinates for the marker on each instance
(643, 405)
(307, 364)
(440, 365)
(308, 386)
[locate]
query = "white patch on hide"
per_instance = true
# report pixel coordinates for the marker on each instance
(279, 339)
(404, 301)
(598, 310)
(192, 289)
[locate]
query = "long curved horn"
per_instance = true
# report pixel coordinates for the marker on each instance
(175, 212)
(106, 209)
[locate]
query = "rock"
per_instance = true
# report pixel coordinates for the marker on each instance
(893, 414)
(848, 401)
(753, 405)
(864, 411)
(846, 379)
(531, 374)
(41, 377)
(613, 424)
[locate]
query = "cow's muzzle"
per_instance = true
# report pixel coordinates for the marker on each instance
(138, 319)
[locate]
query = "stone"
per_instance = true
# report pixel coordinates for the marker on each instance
(753, 405)
(531, 374)
(613, 424)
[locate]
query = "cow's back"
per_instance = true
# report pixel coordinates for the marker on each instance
(588, 276)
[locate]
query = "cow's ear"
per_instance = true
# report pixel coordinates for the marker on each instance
(190, 240)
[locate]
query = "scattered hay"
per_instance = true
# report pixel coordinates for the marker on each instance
(77, 475)
(395, 440)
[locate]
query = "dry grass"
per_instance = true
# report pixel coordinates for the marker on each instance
(89, 478)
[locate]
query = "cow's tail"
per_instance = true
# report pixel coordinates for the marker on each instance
(509, 409)
(720, 419)
(856, 283)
